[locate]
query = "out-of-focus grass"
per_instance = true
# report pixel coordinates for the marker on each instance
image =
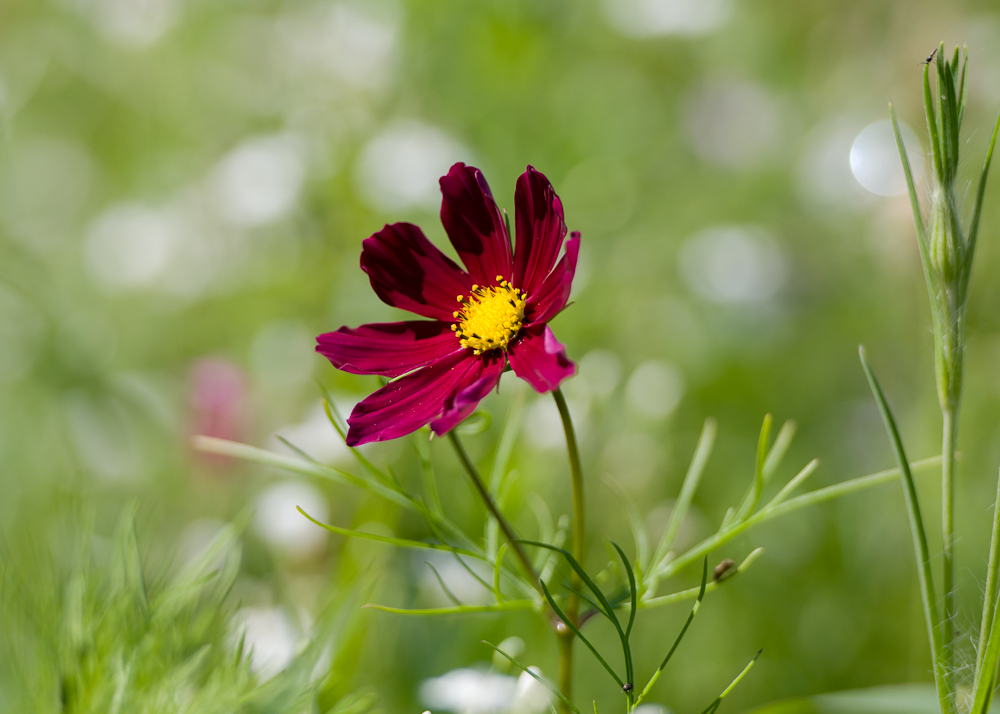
(86, 629)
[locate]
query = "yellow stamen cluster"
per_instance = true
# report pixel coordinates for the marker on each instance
(489, 317)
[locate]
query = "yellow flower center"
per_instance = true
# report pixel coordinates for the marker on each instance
(489, 317)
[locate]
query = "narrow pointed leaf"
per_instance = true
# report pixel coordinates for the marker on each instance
(562, 616)
(401, 542)
(631, 615)
(718, 700)
(917, 532)
(680, 635)
(540, 680)
(690, 485)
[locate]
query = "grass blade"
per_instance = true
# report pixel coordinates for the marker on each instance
(635, 522)
(401, 542)
(496, 572)
(794, 483)
(690, 485)
(778, 450)
(718, 700)
(447, 590)
(990, 596)
(752, 497)
(680, 635)
(465, 609)
(917, 532)
(543, 682)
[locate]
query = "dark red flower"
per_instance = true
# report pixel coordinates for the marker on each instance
(479, 320)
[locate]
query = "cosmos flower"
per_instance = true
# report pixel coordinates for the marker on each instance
(483, 318)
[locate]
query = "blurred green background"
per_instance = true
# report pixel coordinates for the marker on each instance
(184, 188)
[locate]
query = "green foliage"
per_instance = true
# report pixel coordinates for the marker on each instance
(86, 630)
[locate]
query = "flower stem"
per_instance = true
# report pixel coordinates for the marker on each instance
(579, 549)
(508, 531)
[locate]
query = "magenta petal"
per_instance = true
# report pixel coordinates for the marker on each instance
(553, 294)
(406, 404)
(464, 402)
(388, 348)
(539, 227)
(540, 359)
(475, 225)
(408, 271)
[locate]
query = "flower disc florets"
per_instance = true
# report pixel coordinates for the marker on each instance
(490, 316)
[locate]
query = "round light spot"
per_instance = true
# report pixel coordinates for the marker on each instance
(400, 167)
(655, 389)
(130, 246)
(601, 369)
(270, 638)
(733, 264)
(260, 181)
(278, 522)
(469, 691)
(875, 158)
(652, 18)
(736, 125)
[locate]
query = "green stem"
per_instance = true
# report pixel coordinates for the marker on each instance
(508, 531)
(579, 549)
(990, 597)
(948, 443)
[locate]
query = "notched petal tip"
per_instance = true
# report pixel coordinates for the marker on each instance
(540, 360)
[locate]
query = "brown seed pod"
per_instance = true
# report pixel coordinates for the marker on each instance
(723, 569)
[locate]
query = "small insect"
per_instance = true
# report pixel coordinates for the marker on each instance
(930, 57)
(627, 687)
(722, 569)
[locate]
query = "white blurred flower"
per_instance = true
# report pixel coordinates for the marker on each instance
(875, 158)
(259, 181)
(470, 691)
(737, 125)
(531, 696)
(824, 176)
(133, 23)
(353, 41)
(270, 637)
(651, 18)
(456, 578)
(316, 436)
(130, 245)
(278, 522)
(649, 708)
(543, 425)
(733, 264)
(400, 167)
